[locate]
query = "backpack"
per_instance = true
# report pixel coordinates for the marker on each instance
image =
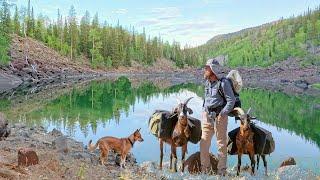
(236, 83)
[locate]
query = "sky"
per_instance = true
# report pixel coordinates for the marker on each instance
(191, 22)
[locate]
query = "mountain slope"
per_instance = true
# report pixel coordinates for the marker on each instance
(266, 44)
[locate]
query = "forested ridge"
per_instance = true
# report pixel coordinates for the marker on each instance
(269, 43)
(107, 46)
(89, 38)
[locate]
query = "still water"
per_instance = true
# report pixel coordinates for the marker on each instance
(117, 108)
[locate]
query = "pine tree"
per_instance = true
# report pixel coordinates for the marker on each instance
(16, 23)
(5, 18)
(73, 29)
(84, 34)
(28, 20)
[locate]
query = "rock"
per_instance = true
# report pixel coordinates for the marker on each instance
(8, 174)
(301, 84)
(4, 129)
(8, 82)
(288, 162)
(129, 159)
(27, 157)
(194, 165)
(81, 155)
(61, 144)
(284, 81)
(56, 133)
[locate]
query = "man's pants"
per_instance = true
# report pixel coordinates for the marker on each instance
(208, 129)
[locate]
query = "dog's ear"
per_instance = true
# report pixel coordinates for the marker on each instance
(138, 130)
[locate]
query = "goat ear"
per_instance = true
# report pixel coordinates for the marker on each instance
(189, 110)
(174, 110)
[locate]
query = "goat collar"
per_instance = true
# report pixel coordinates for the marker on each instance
(132, 143)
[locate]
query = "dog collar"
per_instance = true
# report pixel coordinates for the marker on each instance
(131, 142)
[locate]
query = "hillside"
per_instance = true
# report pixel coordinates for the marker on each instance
(264, 45)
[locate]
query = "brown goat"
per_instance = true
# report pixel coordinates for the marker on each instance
(244, 139)
(179, 136)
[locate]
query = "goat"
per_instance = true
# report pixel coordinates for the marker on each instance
(244, 138)
(179, 136)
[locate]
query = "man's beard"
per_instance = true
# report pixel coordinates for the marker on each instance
(206, 76)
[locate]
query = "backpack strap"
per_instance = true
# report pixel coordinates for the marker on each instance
(220, 90)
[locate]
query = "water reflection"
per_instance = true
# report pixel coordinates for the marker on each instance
(117, 108)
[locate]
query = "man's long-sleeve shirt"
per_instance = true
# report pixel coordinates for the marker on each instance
(213, 98)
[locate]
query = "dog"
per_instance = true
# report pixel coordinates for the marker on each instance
(120, 145)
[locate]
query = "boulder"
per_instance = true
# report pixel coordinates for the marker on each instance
(302, 84)
(8, 82)
(61, 144)
(288, 162)
(129, 159)
(27, 157)
(194, 165)
(56, 133)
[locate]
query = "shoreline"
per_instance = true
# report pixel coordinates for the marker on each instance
(60, 157)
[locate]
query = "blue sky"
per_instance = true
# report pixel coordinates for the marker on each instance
(190, 22)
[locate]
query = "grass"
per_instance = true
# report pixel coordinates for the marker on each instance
(316, 85)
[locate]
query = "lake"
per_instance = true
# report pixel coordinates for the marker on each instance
(118, 107)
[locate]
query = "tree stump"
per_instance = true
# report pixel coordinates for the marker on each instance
(27, 157)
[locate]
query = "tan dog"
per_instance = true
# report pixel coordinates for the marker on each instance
(120, 145)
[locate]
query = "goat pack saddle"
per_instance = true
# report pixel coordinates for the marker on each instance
(162, 123)
(262, 138)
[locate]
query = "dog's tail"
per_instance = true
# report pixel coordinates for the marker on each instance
(92, 147)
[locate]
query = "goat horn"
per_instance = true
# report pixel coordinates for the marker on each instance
(186, 102)
(240, 111)
(249, 110)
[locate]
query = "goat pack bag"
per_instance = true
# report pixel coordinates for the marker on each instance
(262, 138)
(162, 123)
(196, 131)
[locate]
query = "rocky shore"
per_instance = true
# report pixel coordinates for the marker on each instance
(34, 66)
(60, 157)
(289, 76)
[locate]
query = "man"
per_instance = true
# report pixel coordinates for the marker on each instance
(219, 101)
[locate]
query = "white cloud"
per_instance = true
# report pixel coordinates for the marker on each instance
(120, 11)
(148, 22)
